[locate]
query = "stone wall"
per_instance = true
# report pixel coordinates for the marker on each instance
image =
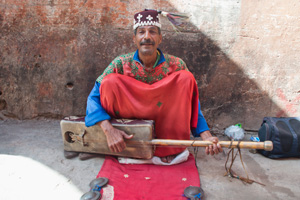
(244, 54)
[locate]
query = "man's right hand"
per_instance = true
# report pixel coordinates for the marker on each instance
(115, 137)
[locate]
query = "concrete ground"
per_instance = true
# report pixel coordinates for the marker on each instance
(32, 166)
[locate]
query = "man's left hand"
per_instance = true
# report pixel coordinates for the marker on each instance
(213, 149)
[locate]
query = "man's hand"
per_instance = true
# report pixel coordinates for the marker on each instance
(115, 137)
(211, 149)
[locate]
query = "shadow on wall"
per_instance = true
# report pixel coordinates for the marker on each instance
(49, 65)
(227, 95)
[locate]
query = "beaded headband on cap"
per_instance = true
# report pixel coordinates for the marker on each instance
(149, 17)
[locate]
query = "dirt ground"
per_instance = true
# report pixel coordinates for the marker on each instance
(32, 166)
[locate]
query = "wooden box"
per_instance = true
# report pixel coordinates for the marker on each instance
(79, 138)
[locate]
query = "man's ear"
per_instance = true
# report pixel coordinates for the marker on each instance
(160, 38)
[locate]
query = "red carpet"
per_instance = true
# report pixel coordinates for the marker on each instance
(135, 182)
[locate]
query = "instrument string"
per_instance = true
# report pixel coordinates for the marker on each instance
(230, 172)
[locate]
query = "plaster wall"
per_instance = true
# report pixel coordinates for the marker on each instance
(244, 54)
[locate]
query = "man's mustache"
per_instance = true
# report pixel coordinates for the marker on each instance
(147, 42)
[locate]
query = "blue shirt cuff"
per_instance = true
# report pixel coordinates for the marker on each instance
(201, 124)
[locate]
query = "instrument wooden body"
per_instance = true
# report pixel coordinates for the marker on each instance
(79, 138)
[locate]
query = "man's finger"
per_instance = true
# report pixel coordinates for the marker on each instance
(211, 150)
(119, 148)
(120, 145)
(206, 150)
(215, 148)
(127, 136)
(111, 147)
(219, 148)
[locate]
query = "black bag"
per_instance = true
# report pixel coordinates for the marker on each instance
(284, 133)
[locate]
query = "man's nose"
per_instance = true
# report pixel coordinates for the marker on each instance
(147, 35)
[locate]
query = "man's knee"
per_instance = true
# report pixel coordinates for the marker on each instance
(185, 77)
(109, 85)
(110, 79)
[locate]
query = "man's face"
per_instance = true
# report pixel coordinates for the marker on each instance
(147, 39)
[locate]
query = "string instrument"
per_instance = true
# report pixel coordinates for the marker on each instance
(79, 138)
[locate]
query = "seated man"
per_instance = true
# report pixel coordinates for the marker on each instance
(148, 84)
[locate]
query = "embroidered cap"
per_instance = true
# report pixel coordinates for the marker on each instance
(146, 18)
(149, 17)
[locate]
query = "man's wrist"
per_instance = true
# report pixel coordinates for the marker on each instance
(205, 134)
(105, 125)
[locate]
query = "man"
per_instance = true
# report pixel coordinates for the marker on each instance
(148, 84)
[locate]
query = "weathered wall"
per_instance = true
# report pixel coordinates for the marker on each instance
(244, 54)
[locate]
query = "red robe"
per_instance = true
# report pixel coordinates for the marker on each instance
(167, 94)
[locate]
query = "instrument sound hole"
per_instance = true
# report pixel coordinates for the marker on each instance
(68, 136)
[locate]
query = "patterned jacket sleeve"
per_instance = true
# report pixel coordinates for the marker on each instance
(114, 67)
